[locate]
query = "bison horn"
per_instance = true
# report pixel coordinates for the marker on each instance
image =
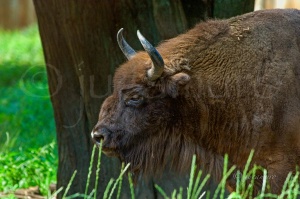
(124, 46)
(157, 61)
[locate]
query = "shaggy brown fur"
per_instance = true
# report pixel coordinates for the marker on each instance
(228, 86)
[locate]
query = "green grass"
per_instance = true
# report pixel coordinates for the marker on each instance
(195, 189)
(244, 184)
(34, 167)
(28, 154)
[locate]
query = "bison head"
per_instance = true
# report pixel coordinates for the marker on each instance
(141, 122)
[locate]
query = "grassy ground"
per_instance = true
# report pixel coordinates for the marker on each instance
(27, 132)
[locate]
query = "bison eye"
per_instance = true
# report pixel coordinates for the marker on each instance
(134, 101)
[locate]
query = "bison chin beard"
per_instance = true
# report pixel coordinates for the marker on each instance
(164, 151)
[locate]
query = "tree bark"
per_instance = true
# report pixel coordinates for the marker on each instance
(81, 54)
(229, 8)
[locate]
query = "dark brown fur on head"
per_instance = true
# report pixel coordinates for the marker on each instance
(228, 86)
(149, 133)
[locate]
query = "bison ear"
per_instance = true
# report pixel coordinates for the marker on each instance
(176, 82)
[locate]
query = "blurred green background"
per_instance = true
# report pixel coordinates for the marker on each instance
(28, 154)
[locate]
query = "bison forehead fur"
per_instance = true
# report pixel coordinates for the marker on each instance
(227, 86)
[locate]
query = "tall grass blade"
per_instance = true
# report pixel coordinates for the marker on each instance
(90, 171)
(131, 186)
(264, 184)
(192, 174)
(208, 195)
(245, 171)
(196, 184)
(293, 184)
(180, 195)
(118, 180)
(108, 188)
(285, 186)
(91, 194)
(238, 182)
(204, 181)
(249, 191)
(161, 191)
(54, 195)
(296, 190)
(174, 194)
(120, 183)
(69, 184)
(226, 174)
(98, 169)
(202, 195)
(76, 195)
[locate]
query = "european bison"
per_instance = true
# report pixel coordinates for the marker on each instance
(225, 86)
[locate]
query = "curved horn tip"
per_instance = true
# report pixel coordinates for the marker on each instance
(139, 34)
(124, 46)
(157, 61)
(120, 31)
(145, 43)
(120, 34)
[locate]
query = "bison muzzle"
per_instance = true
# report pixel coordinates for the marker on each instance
(225, 86)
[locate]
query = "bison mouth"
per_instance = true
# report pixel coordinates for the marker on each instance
(110, 152)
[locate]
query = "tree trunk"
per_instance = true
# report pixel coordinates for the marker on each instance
(229, 8)
(81, 53)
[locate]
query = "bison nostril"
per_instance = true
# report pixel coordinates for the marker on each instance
(99, 134)
(98, 137)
